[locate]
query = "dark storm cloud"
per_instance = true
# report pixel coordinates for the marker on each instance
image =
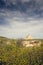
(29, 7)
(20, 10)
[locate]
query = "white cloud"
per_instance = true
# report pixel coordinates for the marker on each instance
(19, 25)
(17, 29)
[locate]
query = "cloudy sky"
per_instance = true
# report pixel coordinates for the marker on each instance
(19, 18)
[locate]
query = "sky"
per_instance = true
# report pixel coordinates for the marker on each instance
(19, 18)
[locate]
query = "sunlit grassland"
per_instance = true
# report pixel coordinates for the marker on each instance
(13, 54)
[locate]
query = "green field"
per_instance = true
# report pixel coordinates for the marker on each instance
(13, 53)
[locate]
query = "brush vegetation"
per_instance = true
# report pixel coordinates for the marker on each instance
(13, 53)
